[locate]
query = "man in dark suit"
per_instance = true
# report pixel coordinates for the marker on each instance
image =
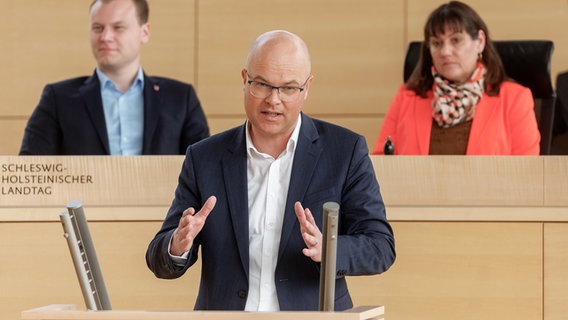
(119, 110)
(251, 197)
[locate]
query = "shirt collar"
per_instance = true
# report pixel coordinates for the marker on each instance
(106, 82)
(290, 146)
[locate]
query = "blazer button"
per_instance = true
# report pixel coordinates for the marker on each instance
(242, 294)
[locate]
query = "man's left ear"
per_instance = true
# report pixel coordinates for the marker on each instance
(307, 87)
(146, 32)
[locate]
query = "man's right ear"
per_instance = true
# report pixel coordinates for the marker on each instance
(244, 76)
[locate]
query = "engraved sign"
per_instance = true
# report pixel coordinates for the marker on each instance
(33, 181)
(37, 178)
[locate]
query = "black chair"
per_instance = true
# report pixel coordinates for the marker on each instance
(528, 63)
(560, 127)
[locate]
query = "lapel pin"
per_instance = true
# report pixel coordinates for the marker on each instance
(156, 88)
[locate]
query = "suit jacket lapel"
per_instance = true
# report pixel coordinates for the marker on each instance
(91, 94)
(234, 164)
(305, 160)
(151, 112)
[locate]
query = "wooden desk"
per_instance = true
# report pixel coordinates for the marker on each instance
(476, 237)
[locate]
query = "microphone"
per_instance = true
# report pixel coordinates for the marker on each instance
(328, 256)
(388, 148)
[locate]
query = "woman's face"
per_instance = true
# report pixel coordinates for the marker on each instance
(455, 54)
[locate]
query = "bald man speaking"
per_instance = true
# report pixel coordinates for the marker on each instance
(251, 198)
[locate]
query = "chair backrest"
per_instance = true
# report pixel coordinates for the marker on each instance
(528, 63)
(560, 127)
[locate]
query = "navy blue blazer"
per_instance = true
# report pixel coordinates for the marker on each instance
(330, 164)
(69, 119)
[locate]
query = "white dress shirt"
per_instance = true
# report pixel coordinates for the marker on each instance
(268, 180)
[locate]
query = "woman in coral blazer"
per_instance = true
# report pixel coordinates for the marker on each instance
(458, 99)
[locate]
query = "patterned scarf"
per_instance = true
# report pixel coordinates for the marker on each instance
(455, 103)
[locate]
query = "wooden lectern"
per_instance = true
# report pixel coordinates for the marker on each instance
(69, 312)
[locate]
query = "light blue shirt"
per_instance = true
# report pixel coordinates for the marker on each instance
(124, 115)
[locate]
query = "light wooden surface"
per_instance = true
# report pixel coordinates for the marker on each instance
(68, 312)
(11, 133)
(476, 237)
(455, 181)
(142, 181)
(460, 270)
(441, 188)
(348, 58)
(36, 268)
(556, 182)
(555, 271)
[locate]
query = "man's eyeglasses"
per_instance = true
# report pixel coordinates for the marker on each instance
(262, 90)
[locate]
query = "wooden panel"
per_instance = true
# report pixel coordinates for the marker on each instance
(368, 126)
(450, 269)
(477, 213)
(36, 269)
(395, 213)
(47, 42)
(555, 266)
(353, 58)
(491, 188)
(96, 213)
(460, 181)
(459, 271)
(221, 123)
(171, 50)
(11, 134)
(35, 181)
(530, 20)
(556, 181)
(130, 283)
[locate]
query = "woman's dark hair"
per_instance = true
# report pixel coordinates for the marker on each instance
(457, 17)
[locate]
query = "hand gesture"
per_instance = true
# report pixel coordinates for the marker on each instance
(310, 233)
(190, 224)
